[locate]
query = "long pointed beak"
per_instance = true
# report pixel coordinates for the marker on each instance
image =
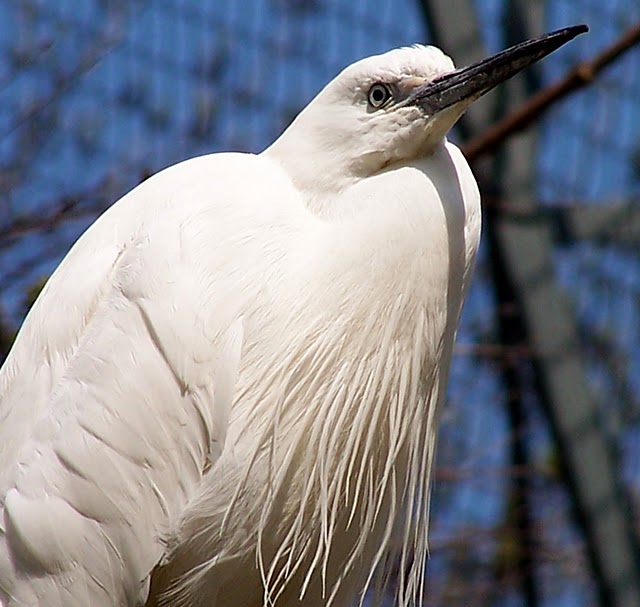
(472, 82)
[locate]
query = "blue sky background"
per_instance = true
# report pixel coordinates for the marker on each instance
(95, 94)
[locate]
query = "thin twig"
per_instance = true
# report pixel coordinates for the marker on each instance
(579, 77)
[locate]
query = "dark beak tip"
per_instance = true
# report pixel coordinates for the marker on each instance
(554, 40)
(568, 33)
(580, 28)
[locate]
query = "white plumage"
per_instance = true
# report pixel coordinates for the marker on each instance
(228, 392)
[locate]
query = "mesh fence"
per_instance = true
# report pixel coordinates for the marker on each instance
(97, 94)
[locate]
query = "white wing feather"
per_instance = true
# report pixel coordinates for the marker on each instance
(126, 366)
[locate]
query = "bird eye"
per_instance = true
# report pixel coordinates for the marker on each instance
(379, 94)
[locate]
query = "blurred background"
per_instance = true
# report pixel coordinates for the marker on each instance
(537, 494)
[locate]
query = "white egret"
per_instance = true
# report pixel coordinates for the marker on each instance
(228, 393)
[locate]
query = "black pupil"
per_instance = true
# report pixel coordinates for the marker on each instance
(378, 94)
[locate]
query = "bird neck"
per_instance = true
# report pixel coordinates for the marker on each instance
(318, 175)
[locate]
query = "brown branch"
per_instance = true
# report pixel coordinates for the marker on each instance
(78, 205)
(580, 76)
(458, 473)
(494, 350)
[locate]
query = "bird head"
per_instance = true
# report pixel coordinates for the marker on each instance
(393, 108)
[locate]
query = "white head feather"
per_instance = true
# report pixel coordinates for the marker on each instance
(346, 140)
